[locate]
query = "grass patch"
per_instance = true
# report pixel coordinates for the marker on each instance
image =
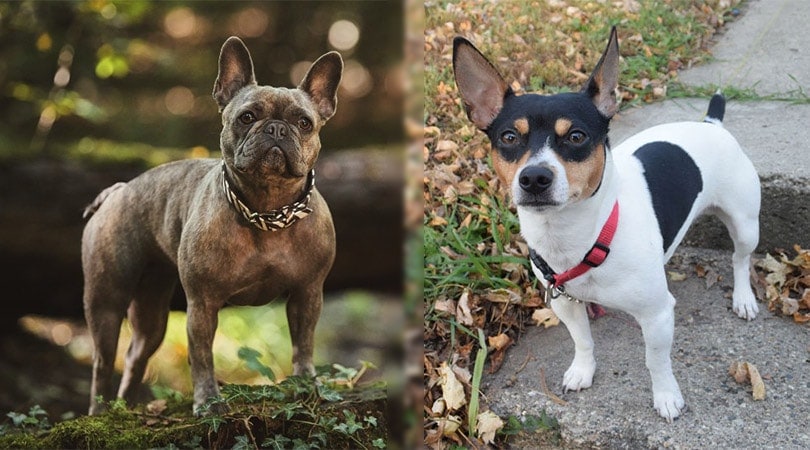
(478, 289)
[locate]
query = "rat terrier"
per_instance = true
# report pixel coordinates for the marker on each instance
(197, 222)
(609, 219)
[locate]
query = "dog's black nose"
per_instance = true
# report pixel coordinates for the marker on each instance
(276, 129)
(535, 179)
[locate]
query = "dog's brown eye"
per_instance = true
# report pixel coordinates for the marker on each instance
(577, 137)
(304, 124)
(508, 137)
(247, 118)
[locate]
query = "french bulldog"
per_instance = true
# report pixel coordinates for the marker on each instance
(242, 230)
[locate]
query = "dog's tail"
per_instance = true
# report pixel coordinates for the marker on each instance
(717, 109)
(93, 207)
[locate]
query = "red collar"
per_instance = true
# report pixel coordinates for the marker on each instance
(594, 258)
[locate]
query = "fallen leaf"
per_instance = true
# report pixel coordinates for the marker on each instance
(545, 317)
(676, 276)
(156, 407)
(790, 306)
(463, 313)
(488, 424)
(438, 407)
(445, 305)
(500, 344)
(437, 221)
(445, 145)
(500, 341)
(745, 371)
(756, 382)
(451, 425)
(452, 389)
(700, 270)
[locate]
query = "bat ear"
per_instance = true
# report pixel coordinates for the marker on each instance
(481, 87)
(321, 83)
(601, 87)
(235, 71)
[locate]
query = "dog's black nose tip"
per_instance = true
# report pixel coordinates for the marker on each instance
(535, 179)
(276, 129)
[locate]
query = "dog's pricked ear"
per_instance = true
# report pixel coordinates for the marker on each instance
(235, 71)
(601, 87)
(321, 83)
(481, 87)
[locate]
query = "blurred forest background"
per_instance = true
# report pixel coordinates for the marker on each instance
(95, 92)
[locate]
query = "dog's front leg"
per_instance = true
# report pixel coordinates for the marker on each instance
(658, 329)
(303, 311)
(575, 317)
(201, 325)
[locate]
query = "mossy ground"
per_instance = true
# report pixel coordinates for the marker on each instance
(296, 413)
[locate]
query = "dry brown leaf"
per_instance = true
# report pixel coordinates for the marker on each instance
(446, 145)
(545, 317)
(463, 312)
(452, 389)
(676, 276)
(756, 382)
(438, 407)
(743, 371)
(156, 407)
(437, 221)
(737, 371)
(488, 424)
(451, 425)
(500, 341)
(777, 271)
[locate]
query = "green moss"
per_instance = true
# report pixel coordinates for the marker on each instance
(295, 411)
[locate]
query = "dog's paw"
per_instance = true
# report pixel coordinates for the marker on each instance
(744, 304)
(579, 376)
(669, 405)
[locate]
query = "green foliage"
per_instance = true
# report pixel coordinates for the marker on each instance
(299, 412)
(36, 421)
(251, 359)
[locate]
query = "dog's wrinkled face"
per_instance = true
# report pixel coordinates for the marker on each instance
(550, 150)
(273, 131)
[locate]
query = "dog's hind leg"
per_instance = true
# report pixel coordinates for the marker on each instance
(104, 314)
(658, 329)
(743, 227)
(148, 314)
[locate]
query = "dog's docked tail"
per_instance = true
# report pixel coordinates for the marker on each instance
(93, 207)
(717, 109)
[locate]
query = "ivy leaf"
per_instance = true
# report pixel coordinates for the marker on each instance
(251, 358)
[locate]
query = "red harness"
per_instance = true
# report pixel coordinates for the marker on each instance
(594, 258)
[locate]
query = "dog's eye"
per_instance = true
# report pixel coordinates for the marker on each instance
(304, 124)
(247, 118)
(508, 137)
(577, 137)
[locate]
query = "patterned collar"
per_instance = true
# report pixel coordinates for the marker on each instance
(276, 219)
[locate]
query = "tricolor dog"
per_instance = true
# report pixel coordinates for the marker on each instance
(602, 222)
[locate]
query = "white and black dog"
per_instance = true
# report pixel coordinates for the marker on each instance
(607, 220)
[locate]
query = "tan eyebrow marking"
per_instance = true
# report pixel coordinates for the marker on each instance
(522, 125)
(561, 126)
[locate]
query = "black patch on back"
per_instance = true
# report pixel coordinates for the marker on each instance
(674, 182)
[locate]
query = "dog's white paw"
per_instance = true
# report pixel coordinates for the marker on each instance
(744, 304)
(579, 376)
(669, 404)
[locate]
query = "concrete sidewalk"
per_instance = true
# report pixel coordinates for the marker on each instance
(767, 49)
(617, 412)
